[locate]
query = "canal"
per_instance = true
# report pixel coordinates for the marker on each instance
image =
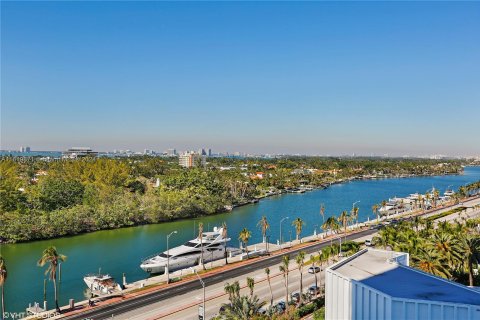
(118, 251)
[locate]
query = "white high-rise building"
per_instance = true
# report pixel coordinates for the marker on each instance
(377, 284)
(188, 159)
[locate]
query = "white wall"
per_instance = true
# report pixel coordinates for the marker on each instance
(349, 299)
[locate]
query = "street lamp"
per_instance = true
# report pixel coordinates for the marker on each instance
(168, 256)
(281, 239)
(201, 315)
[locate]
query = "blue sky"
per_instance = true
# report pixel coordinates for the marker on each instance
(308, 77)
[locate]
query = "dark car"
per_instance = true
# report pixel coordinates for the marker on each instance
(296, 297)
(281, 307)
(313, 290)
(313, 270)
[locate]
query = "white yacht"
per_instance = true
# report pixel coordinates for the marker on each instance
(449, 193)
(189, 254)
(101, 284)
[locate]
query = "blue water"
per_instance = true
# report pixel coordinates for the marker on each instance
(117, 251)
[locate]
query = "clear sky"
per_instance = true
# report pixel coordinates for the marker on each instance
(309, 77)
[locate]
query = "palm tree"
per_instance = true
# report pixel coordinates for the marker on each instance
(470, 249)
(331, 224)
(3, 278)
(224, 236)
(430, 261)
(51, 256)
(244, 236)
(200, 237)
(264, 226)
(436, 194)
(355, 215)
(267, 272)
(420, 201)
(447, 246)
(233, 290)
(300, 260)
(250, 285)
(375, 212)
(242, 308)
(298, 224)
(384, 203)
(324, 257)
(315, 259)
(322, 213)
(343, 219)
(284, 269)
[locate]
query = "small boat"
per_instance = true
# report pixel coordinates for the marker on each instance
(101, 284)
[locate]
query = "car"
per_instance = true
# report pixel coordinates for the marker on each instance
(314, 270)
(281, 307)
(295, 297)
(368, 242)
(313, 290)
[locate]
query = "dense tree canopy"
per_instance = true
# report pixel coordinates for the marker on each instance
(44, 199)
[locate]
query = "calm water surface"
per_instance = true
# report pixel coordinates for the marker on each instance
(117, 251)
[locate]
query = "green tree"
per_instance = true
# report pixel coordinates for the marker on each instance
(3, 278)
(331, 224)
(244, 236)
(250, 285)
(298, 224)
(284, 270)
(53, 258)
(343, 219)
(56, 193)
(470, 249)
(264, 226)
(200, 237)
(300, 260)
(267, 272)
(225, 236)
(375, 212)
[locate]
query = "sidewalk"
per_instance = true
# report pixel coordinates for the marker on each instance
(151, 284)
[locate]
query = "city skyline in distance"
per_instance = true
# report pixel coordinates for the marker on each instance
(307, 78)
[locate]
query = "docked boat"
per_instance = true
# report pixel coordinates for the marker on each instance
(189, 254)
(101, 284)
(449, 193)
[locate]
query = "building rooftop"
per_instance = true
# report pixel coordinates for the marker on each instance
(376, 269)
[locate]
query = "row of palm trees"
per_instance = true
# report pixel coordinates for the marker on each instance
(51, 258)
(450, 250)
(249, 306)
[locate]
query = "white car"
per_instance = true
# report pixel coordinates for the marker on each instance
(368, 243)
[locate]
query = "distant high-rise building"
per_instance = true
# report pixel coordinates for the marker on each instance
(24, 149)
(209, 153)
(171, 152)
(188, 159)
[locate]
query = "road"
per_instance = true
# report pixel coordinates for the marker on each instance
(119, 308)
(176, 301)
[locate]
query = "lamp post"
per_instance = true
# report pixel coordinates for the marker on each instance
(201, 315)
(168, 256)
(281, 239)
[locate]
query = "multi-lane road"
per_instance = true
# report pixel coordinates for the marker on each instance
(117, 309)
(180, 301)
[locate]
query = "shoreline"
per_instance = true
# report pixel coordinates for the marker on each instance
(253, 201)
(151, 285)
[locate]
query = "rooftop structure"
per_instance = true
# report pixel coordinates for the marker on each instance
(78, 152)
(377, 284)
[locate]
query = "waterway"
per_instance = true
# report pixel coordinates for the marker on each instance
(118, 251)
